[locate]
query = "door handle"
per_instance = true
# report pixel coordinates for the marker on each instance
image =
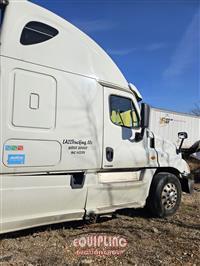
(109, 154)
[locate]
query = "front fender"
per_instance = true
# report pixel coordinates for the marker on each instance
(168, 156)
(181, 166)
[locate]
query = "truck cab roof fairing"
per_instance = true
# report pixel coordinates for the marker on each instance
(71, 50)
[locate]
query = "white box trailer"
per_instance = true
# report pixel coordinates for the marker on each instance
(74, 142)
(167, 124)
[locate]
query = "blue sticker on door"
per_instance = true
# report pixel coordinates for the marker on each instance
(16, 158)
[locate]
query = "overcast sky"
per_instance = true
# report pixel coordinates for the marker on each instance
(156, 44)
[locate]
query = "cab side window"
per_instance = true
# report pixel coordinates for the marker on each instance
(123, 112)
(36, 32)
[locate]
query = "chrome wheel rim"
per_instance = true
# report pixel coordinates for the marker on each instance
(169, 196)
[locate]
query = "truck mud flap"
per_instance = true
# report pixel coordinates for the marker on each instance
(187, 185)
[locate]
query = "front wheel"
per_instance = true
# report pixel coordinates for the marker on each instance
(165, 195)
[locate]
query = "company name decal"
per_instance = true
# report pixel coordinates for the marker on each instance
(77, 147)
(165, 120)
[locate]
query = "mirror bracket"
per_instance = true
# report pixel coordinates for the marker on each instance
(144, 114)
(182, 136)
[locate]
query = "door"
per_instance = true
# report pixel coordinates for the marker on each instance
(121, 122)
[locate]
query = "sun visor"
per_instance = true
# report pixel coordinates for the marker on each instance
(135, 92)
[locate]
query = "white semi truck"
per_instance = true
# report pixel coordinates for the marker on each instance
(74, 141)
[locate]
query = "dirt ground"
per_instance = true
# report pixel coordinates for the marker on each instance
(151, 241)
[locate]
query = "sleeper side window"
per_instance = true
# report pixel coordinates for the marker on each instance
(123, 112)
(36, 32)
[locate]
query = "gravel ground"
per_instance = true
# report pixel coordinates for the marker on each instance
(150, 241)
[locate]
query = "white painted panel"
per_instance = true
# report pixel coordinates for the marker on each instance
(34, 100)
(105, 197)
(24, 153)
(79, 120)
(28, 201)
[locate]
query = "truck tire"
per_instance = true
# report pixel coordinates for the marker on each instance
(165, 195)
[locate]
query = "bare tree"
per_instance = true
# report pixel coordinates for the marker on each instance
(196, 110)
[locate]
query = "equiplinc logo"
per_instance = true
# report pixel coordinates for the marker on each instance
(100, 243)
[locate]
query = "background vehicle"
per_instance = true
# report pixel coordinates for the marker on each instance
(168, 123)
